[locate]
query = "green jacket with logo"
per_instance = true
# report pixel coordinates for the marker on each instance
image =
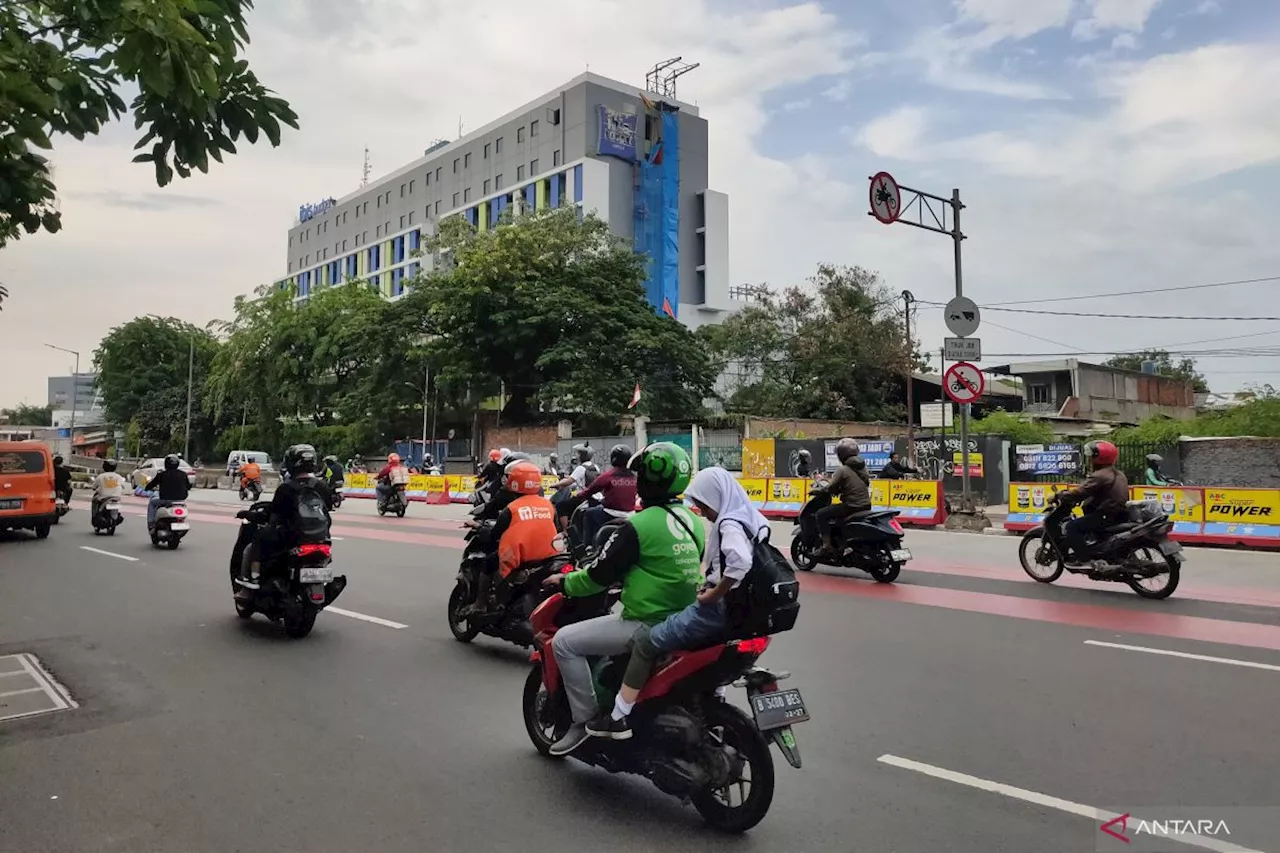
(658, 561)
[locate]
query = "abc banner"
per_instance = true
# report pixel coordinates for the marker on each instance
(756, 489)
(461, 488)
(1185, 507)
(1027, 502)
(786, 496)
(1251, 513)
(917, 499)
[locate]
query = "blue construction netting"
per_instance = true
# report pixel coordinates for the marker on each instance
(656, 222)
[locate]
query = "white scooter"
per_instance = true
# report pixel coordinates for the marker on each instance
(172, 523)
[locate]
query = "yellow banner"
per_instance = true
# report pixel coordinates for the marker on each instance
(358, 481)
(758, 457)
(1242, 506)
(755, 488)
(434, 484)
(548, 482)
(417, 483)
(975, 463)
(912, 493)
(1033, 498)
(880, 493)
(789, 490)
(463, 483)
(1178, 504)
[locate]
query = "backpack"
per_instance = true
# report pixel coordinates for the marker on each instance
(311, 517)
(592, 470)
(767, 601)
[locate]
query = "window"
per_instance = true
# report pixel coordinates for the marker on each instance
(455, 199)
(533, 167)
(466, 195)
(402, 220)
(366, 207)
(533, 127)
(411, 183)
(497, 145)
(519, 173)
(308, 260)
(402, 191)
(555, 116)
(428, 181)
(364, 237)
(497, 182)
(379, 204)
(1039, 393)
(386, 228)
(486, 186)
(357, 211)
(290, 239)
(555, 157)
(519, 135)
(455, 165)
(486, 151)
(438, 168)
(411, 216)
(290, 269)
(377, 231)
(344, 245)
(466, 160)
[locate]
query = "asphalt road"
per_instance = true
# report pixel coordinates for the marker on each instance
(963, 709)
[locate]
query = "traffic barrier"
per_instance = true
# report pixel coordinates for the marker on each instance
(1215, 515)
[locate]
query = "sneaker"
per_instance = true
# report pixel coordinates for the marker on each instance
(607, 727)
(574, 738)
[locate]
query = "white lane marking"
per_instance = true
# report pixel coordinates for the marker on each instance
(57, 694)
(365, 618)
(338, 538)
(1170, 653)
(24, 690)
(109, 554)
(1099, 815)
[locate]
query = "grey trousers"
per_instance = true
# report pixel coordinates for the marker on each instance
(605, 635)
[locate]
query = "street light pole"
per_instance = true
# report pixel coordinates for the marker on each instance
(75, 390)
(191, 367)
(426, 385)
(907, 299)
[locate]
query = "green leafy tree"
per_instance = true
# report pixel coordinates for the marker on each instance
(553, 308)
(64, 64)
(1165, 366)
(1017, 429)
(142, 375)
(29, 415)
(835, 349)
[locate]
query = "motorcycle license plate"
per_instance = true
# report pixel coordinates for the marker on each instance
(315, 575)
(1169, 547)
(179, 525)
(775, 710)
(11, 504)
(901, 555)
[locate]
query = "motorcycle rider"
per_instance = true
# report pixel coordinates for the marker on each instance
(1156, 477)
(1103, 494)
(897, 468)
(852, 485)
(333, 473)
(383, 487)
(525, 531)
(250, 472)
(553, 466)
(169, 485)
(730, 553)
(584, 469)
(62, 479)
(491, 473)
(106, 485)
(657, 554)
(618, 488)
(294, 511)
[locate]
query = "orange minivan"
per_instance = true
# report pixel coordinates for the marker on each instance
(27, 497)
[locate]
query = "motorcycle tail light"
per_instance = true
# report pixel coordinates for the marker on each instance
(317, 596)
(310, 550)
(566, 570)
(179, 511)
(754, 646)
(897, 528)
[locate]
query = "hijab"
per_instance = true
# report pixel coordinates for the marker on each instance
(722, 492)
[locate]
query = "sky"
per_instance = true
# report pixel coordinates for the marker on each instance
(1100, 146)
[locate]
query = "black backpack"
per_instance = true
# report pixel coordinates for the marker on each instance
(767, 601)
(592, 470)
(311, 515)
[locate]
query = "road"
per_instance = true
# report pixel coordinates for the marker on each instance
(965, 708)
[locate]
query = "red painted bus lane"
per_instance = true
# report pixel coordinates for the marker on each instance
(1132, 621)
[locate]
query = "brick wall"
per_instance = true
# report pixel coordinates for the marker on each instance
(1244, 462)
(525, 438)
(796, 428)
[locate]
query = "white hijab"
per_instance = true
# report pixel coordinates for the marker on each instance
(722, 492)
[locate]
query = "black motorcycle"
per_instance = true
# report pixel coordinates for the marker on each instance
(337, 489)
(870, 541)
(251, 490)
(510, 600)
(396, 503)
(108, 517)
(293, 587)
(1137, 552)
(575, 535)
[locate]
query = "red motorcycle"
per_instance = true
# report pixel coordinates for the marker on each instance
(687, 740)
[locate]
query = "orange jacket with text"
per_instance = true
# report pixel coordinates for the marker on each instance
(250, 471)
(530, 536)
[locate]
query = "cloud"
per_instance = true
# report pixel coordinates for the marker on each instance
(840, 91)
(797, 105)
(1013, 19)
(146, 201)
(1129, 15)
(897, 134)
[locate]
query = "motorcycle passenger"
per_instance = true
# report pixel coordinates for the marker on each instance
(62, 479)
(656, 554)
(299, 510)
(1103, 496)
(618, 488)
(525, 531)
(170, 485)
(553, 466)
(1156, 477)
(804, 464)
(730, 552)
(106, 486)
(897, 468)
(852, 485)
(333, 473)
(383, 487)
(501, 496)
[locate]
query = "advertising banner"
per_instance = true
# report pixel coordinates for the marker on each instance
(917, 500)
(358, 485)
(461, 488)
(1027, 502)
(756, 489)
(1249, 513)
(617, 134)
(975, 464)
(875, 453)
(1185, 507)
(758, 457)
(880, 494)
(786, 496)
(1054, 459)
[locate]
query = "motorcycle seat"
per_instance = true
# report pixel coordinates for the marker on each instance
(1119, 528)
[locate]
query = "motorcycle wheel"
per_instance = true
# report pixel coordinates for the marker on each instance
(111, 531)
(738, 731)
(401, 511)
(173, 542)
(1034, 569)
(535, 699)
(243, 611)
(886, 574)
(299, 622)
(462, 630)
(801, 558)
(1170, 580)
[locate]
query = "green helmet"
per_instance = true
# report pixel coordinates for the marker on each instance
(662, 471)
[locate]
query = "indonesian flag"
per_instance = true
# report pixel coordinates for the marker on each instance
(635, 397)
(666, 308)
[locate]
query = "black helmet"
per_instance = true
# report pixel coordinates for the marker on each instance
(512, 456)
(331, 459)
(171, 462)
(1154, 459)
(583, 452)
(620, 455)
(803, 454)
(299, 459)
(108, 466)
(846, 449)
(662, 471)
(57, 460)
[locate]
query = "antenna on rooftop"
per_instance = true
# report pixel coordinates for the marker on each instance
(663, 81)
(367, 169)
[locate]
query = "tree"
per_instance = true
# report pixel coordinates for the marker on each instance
(1165, 366)
(835, 349)
(142, 375)
(63, 64)
(26, 415)
(553, 308)
(1017, 429)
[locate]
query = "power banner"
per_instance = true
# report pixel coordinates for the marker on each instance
(1211, 515)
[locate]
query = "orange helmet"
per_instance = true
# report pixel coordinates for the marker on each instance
(393, 459)
(523, 478)
(495, 455)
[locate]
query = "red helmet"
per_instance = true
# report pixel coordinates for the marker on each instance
(523, 478)
(1103, 453)
(393, 459)
(495, 455)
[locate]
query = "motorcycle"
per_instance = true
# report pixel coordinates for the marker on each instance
(1133, 552)
(687, 740)
(870, 541)
(338, 490)
(575, 539)
(293, 588)
(251, 490)
(397, 503)
(171, 524)
(510, 601)
(108, 517)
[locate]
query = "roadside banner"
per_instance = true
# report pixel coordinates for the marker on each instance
(1242, 514)
(437, 489)
(786, 497)
(461, 488)
(358, 486)
(756, 489)
(918, 501)
(1185, 507)
(417, 488)
(1027, 502)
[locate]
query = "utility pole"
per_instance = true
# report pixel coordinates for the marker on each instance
(75, 393)
(907, 299)
(191, 368)
(426, 384)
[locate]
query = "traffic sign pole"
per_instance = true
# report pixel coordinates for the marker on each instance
(966, 499)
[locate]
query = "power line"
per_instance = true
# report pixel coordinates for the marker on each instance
(1143, 292)
(1115, 316)
(1036, 337)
